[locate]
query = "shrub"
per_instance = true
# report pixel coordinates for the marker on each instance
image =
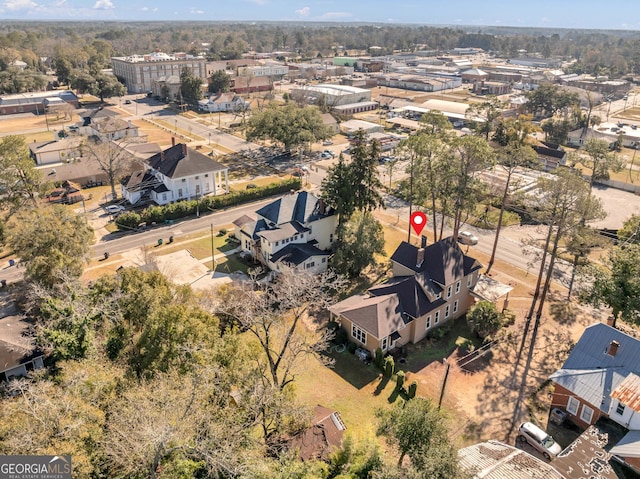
(157, 214)
(222, 232)
(400, 376)
(389, 366)
(438, 333)
(484, 319)
(379, 359)
(251, 186)
(351, 347)
(413, 388)
(341, 337)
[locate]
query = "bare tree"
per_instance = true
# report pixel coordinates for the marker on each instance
(273, 313)
(112, 158)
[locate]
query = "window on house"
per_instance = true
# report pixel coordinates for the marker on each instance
(428, 323)
(184, 180)
(312, 264)
(385, 343)
(179, 192)
(439, 295)
(457, 287)
(324, 260)
(572, 406)
(197, 177)
(469, 280)
(449, 289)
(587, 414)
(447, 310)
(620, 409)
(277, 243)
(455, 306)
(358, 334)
(331, 238)
(206, 175)
(164, 197)
(436, 317)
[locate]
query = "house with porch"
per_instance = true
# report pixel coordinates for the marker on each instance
(296, 230)
(177, 173)
(601, 379)
(431, 285)
(224, 102)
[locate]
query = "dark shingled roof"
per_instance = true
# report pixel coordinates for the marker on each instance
(180, 161)
(402, 298)
(444, 261)
(302, 207)
(297, 253)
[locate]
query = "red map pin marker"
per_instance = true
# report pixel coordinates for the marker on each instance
(418, 221)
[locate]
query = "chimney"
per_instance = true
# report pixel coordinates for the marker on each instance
(162, 155)
(184, 149)
(613, 348)
(420, 257)
(173, 141)
(321, 206)
(423, 241)
(610, 321)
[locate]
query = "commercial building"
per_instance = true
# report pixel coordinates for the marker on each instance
(138, 72)
(36, 102)
(331, 95)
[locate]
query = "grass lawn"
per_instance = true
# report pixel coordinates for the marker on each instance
(267, 180)
(350, 387)
(200, 247)
(229, 264)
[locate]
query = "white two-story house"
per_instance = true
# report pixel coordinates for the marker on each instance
(296, 230)
(224, 102)
(177, 173)
(430, 286)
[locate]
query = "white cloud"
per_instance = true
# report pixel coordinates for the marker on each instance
(304, 12)
(194, 11)
(145, 9)
(103, 5)
(19, 4)
(60, 3)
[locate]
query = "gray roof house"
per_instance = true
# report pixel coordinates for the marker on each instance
(296, 230)
(177, 173)
(601, 379)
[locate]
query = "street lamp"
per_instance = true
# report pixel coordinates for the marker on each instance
(175, 122)
(209, 138)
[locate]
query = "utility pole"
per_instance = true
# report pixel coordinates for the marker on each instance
(213, 256)
(444, 383)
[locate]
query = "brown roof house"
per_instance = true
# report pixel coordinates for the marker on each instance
(430, 286)
(324, 435)
(601, 379)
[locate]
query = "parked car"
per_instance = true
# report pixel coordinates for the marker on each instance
(467, 238)
(327, 142)
(115, 209)
(127, 102)
(539, 439)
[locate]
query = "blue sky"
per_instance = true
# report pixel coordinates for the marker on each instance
(614, 14)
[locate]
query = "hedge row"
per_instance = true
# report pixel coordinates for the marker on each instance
(181, 209)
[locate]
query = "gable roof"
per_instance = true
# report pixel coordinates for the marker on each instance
(444, 261)
(302, 207)
(297, 253)
(593, 374)
(377, 315)
(284, 230)
(628, 392)
(179, 161)
(325, 434)
(410, 294)
(495, 460)
(628, 446)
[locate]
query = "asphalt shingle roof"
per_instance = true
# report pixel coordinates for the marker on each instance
(179, 162)
(297, 253)
(302, 207)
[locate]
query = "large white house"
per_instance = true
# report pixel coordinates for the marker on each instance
(297, 230)
(177, 173)
(224, 102)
